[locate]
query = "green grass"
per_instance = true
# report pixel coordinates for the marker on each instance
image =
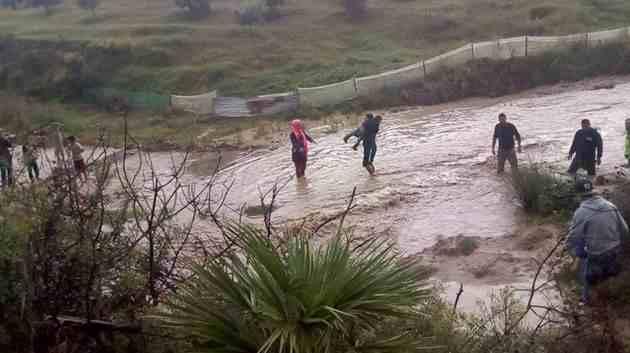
(313, 44)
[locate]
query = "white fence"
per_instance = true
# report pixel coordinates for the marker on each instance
(336, 93)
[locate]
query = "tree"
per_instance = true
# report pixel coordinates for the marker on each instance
(273, 4)
(90, 5)
(9, 3)
(46, 4)
(196, 8)
(355, 8)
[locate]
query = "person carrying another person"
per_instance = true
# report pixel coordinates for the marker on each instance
(370, 129)
(6, 160)
(588, 148)
(299, 151)
(76, 152)
(505, 133)
(29, 158)
(595, 237)
(358, 132)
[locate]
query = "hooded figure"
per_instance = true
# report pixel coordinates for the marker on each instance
(595, 237)
(299, 141)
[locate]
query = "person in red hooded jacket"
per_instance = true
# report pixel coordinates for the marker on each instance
(299, 141)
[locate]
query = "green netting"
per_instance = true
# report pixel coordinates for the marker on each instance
(138, 100)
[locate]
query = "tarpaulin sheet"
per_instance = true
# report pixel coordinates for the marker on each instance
(202, 104)
(255, 106)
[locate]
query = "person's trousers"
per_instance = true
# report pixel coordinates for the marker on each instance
(369, 152)
(6, 173)
(595, 269)
(300, 166)
(355, 133)
(588, 165)
(33, 170)
(510, 156)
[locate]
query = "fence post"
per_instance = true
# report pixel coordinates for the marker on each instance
(424, 68)
(356, 86)
(526, 44)
(472, 50)
(586, 40)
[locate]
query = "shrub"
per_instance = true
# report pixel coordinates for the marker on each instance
(273, 4)
(46, 4)
(621, 198)
(541, 12)
(89, 5)
(541, 192)
(196, 8)
(302, 298)
(467, 246)
(355, 8)
(252, 13)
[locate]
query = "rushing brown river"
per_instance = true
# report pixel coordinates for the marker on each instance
(435, 177)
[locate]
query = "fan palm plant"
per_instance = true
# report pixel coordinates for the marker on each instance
(301, 299)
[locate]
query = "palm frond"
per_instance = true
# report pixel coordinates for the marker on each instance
(302, 299)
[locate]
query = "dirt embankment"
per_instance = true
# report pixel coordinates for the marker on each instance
(512, 258)
(493, 261)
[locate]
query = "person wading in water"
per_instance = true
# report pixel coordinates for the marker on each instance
(299, 141)
(505, 132)
(588, 148)
(370, 129)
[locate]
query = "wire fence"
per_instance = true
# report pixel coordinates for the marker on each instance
(335, 93)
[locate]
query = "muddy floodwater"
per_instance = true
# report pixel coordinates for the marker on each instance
(435, 175)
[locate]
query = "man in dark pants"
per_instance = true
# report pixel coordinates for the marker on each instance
(370, 129)
(588, 148)
(506, 133)
(6, 161)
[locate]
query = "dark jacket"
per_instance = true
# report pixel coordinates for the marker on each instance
(5, 152)
(506, 133)
(370, 129)
(586, 143)
(297, 150)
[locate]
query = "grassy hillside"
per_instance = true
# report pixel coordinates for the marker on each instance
(312, 43)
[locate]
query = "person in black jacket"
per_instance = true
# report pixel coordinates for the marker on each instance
(505, 133)
(588, 148)
(299, 151)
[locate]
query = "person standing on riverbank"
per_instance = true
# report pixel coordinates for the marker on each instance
(6, 161)
(505, 133)
(76, 151)
(299, 151)
(588, 148)
(627, 144)
(370, 129)
(29, 158)
(597, 233)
